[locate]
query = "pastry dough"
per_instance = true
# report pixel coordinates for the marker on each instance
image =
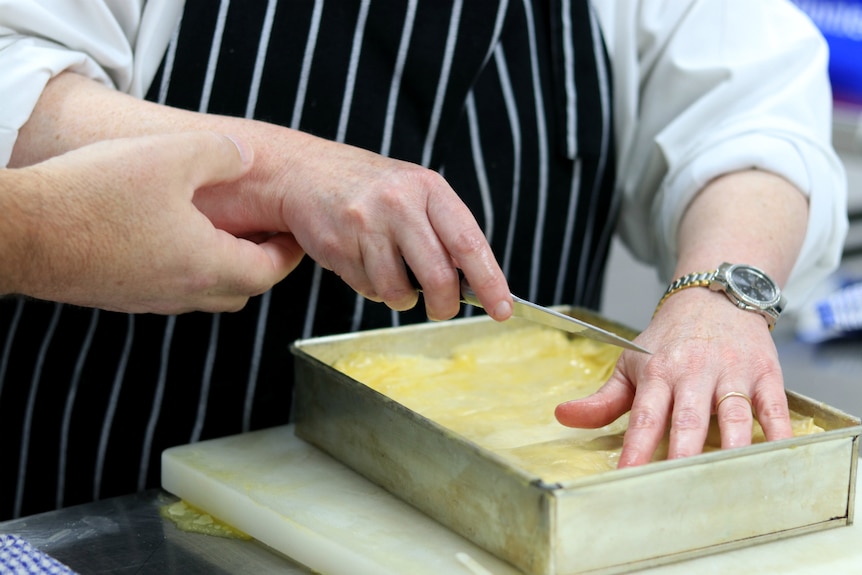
(500, 392)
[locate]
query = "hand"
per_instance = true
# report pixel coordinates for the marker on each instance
(114, 227)
(357, 213)
(363, 216)
(704, 347)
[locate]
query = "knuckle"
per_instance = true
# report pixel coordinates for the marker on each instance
(768, 368)
(687, 418)
(392, 198)
(468, 241)
(437, 278)
(773, 410)
(327, 251)
(426, 179)
(659, 368)
(645, 419)
(732, 356)
(356, 216)
(404, 188)
(736, 412)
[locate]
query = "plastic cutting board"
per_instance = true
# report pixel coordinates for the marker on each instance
(298, 500)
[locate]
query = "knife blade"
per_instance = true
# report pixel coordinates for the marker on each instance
(530, 311)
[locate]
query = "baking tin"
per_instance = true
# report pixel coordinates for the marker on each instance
(607, 523)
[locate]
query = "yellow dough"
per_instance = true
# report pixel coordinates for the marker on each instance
(189, 518)
(500, 392)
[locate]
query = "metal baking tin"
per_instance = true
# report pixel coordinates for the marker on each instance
(608, 523)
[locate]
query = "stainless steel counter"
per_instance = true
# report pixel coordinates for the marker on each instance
(125, 535)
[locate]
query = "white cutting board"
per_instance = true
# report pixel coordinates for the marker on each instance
(301, 502)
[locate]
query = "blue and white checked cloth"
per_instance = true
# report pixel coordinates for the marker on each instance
(18, 557)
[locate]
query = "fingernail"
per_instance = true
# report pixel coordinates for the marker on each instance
(241, 147)
(503, 310)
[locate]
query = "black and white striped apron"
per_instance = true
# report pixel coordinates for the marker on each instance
(509, 100)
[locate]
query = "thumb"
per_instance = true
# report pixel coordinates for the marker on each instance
(285, 253)
(250, 268)
(601, 408)
(215, 158)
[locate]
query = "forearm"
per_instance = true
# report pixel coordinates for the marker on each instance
(339, 202)
(13, 244)
(75, 111)
(752, 217)
(34, 215)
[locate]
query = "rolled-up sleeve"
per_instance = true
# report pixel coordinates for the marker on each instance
(42, 38)
(706, 88)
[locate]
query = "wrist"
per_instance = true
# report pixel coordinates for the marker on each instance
(27, 222)
(747, 287)
(13, 230)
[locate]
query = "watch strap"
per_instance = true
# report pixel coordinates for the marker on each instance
(712, 279)
(695, 279)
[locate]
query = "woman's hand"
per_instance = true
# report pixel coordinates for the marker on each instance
(703, 347)
(364, 216)
(357, 213)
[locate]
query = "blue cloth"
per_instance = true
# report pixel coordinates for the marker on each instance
(840, 21)
(18, 557)
(837, 314)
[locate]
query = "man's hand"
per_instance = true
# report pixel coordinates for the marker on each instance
(113, 225)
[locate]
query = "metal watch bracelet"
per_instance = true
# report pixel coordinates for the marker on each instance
(695, 279)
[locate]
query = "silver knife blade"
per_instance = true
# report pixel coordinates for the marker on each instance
(552, 318)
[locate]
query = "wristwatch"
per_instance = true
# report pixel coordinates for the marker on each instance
(746, 286)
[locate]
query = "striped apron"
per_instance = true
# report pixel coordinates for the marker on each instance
(509, 100)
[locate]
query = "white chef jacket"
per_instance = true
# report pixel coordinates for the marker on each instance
(701, 88)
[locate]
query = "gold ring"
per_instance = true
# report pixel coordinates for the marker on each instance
(733, 394)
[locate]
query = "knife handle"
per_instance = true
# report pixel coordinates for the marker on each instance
(468, 296)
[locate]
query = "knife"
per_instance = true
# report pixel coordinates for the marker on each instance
(546, 316)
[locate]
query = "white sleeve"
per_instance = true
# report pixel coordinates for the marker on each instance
(97, 38)
(703, 88)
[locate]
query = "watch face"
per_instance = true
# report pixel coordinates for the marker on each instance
(753, 285)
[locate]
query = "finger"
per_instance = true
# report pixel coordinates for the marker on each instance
(358, 280)
(437, 276)
(647, 423)
(733, 411)
(423, 250)
(351, 269)
(462, 238)
(384, 267)
(690, 419)
(601, 408)
(770, 406)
